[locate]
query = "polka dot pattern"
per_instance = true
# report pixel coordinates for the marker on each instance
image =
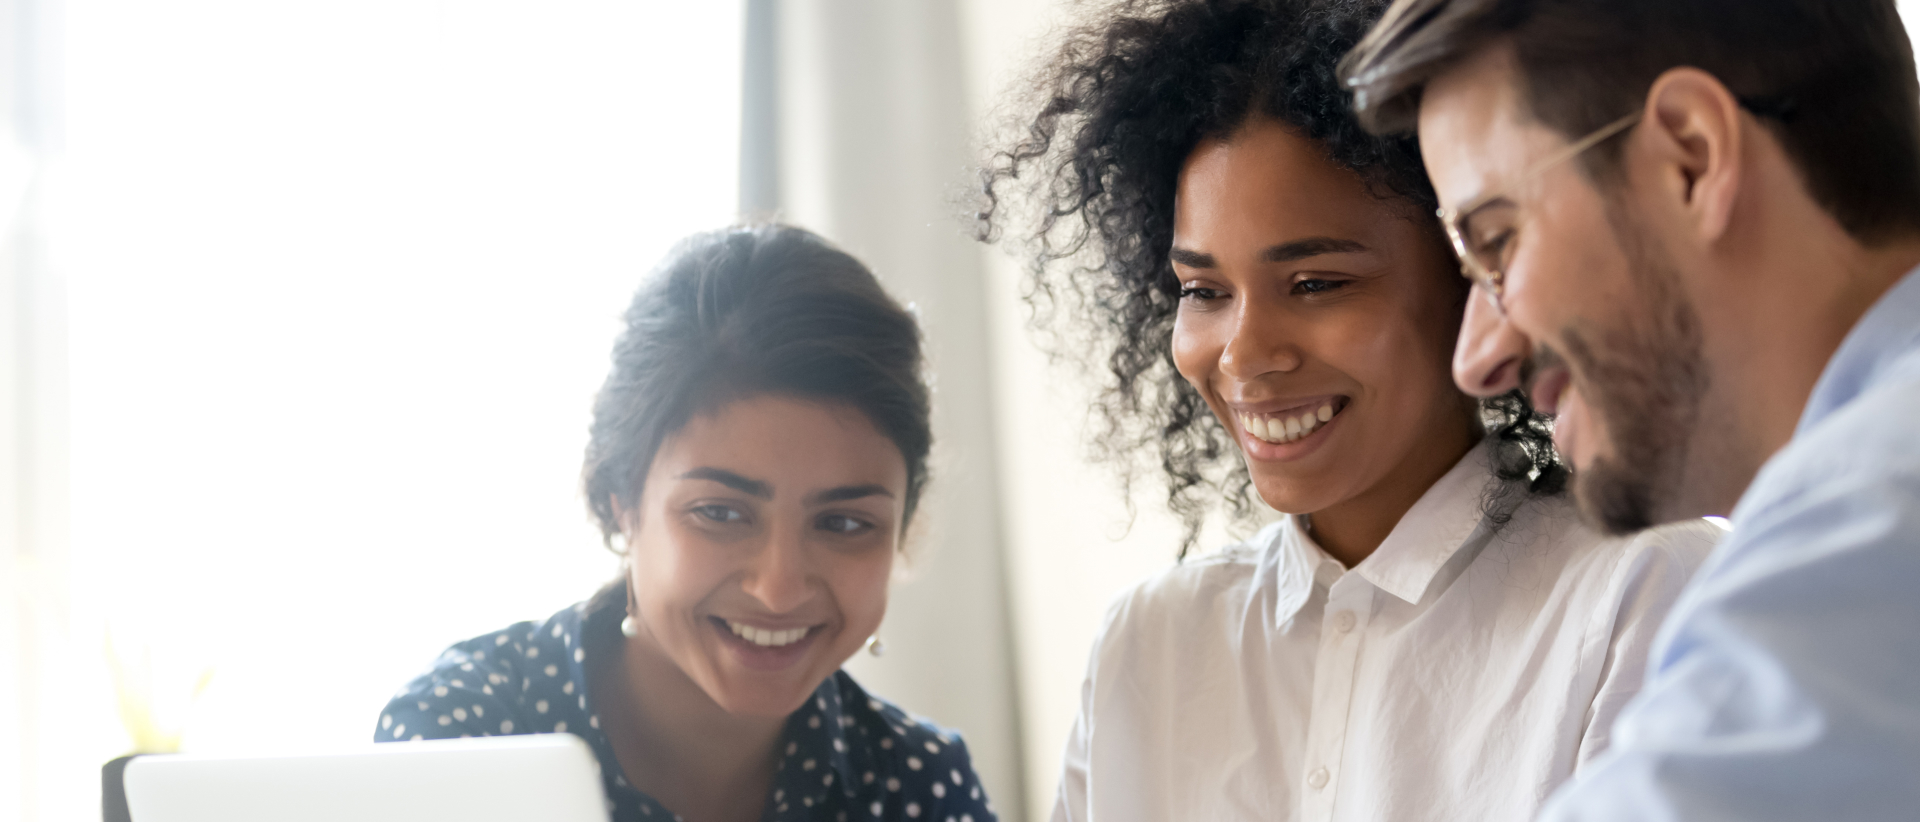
(846, 755)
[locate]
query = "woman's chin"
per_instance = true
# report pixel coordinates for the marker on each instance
(763, 681)
(757, 695)
(1290, 495)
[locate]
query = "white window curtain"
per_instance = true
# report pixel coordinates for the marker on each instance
(35, 572)
(863, 136)
(340, 279)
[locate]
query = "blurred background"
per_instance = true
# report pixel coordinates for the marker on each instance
(302, 306)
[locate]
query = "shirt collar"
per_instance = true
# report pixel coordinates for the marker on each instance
(1432, 531)
(1890, 328)
(1288, 562)
(1429, 535)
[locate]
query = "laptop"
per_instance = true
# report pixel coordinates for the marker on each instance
(495, 779)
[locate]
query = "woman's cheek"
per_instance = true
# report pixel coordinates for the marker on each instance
(1193, 356)
(864, 599)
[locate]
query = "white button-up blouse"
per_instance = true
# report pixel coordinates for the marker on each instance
(1460, 672)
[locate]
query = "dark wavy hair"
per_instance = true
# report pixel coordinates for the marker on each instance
(766, 309)
(1089, 180)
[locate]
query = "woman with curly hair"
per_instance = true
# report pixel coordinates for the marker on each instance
(1430, 633)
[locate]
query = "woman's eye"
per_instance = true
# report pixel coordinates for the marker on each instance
(843, 524)
(719, 513)
(1317, 286)
(1194, 292)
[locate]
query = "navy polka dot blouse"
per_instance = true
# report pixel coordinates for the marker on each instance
(846, 756)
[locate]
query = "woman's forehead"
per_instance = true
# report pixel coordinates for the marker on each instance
(1266, 183)
(782, 445)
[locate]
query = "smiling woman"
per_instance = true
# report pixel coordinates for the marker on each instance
(757, 453)
(1429, 634)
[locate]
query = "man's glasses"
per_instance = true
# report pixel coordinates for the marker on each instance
(1484, 260)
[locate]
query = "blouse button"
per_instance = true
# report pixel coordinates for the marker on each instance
(1343, 621)
(1317, 779)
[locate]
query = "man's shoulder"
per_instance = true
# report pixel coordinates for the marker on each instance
(1844, 493)
(1871, 440)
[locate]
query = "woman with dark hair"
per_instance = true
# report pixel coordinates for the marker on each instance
(755, 456)
(1429, 633)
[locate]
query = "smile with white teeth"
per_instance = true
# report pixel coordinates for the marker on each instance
(1287, 427)
(766, 638)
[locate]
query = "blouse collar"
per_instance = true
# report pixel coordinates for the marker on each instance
(1440, 523)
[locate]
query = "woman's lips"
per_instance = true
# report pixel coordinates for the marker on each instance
(765, 649)
(1292, 424)
(1301, 438)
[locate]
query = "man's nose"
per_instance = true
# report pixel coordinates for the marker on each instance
(1487, 357)
(778, 576)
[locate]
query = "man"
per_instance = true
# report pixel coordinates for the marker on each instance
(1693, 227)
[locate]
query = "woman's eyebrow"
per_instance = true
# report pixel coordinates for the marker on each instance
(1189, 258)
(847, 492)
(752, 488)
(1311, 247)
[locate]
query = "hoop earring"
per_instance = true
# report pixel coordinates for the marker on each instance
(875, 646)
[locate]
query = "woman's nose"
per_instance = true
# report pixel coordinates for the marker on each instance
(1256, 345)
(779, 575)
(1487, 357)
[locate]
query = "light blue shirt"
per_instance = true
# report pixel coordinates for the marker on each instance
(1785, 683)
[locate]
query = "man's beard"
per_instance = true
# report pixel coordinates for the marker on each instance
(1644, 379)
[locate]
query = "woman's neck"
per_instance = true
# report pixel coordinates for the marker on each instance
(679, 746)
(1353, 529)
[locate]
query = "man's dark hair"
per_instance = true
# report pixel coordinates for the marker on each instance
(1091, 180)
(731, 314)
(1832, 79)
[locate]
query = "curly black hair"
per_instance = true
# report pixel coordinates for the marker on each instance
(1090, 181)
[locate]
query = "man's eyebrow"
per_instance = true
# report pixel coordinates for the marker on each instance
(847, 492)
(752, 488)
(1311, 247)
(1190, 259)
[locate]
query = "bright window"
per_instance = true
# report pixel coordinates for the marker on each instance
(343, 277)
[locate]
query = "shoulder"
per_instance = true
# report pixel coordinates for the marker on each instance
(1677, 547)
(1196, 585)
(1650, 571)
(1846, 489)
(484, 686)
(1873, 439)
(915, 758)
(1841, 500)
(895, 736)
(1554, 525)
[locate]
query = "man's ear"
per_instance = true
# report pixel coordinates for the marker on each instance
(1695, 135)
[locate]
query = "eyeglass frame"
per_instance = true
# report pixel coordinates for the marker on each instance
(1454, 219)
